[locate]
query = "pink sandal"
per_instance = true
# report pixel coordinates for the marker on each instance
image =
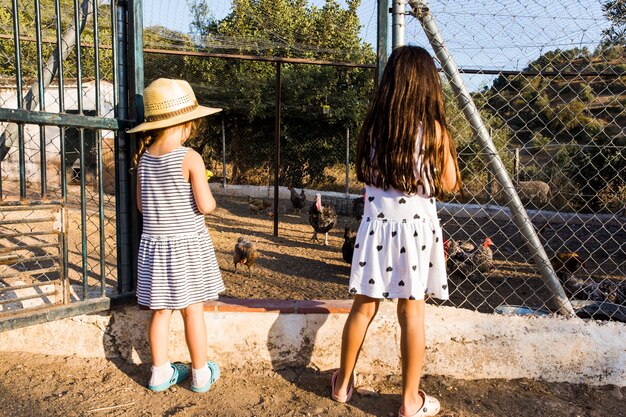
(341, 398)
(430, 407)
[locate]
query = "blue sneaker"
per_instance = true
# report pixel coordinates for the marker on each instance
(181, 371)
(215, 375)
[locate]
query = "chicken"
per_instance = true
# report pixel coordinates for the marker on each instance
(298, 201)
(347, 249)
(245, 253)
(258, 204)
(468, 258)
(358, 206)
(567, 263)
(322, 218)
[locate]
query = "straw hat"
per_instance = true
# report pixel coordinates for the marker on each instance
(169, 103)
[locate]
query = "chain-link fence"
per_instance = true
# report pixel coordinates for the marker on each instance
(549, 82)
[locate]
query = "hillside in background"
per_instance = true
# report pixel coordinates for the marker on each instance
(578, 96)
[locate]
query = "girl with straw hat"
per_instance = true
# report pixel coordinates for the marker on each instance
(176, 265)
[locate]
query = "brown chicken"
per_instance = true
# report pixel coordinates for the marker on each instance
(258, 204)
(567, 263)
(245, 253)
(468, 258)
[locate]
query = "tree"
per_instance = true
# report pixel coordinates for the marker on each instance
(311, 140)
(55, 56)
(615, 12)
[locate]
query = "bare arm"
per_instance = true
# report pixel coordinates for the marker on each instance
(139, 205)
(195, 172)
(449, 178)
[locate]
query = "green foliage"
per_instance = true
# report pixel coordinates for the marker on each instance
(28, 48)
(310, 140)
(615, 12)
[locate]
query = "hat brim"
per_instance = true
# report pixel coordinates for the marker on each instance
(198, 112)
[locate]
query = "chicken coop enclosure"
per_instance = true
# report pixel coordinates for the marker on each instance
(535, 97)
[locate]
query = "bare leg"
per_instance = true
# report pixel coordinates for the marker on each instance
(195, 334)
(158, 336)
(412, 342)
(363, 310)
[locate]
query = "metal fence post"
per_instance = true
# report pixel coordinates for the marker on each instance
(520, 217)
(381, 35)
(223, 154)
(398, 27)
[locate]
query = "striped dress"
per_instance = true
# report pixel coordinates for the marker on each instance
(176, 264)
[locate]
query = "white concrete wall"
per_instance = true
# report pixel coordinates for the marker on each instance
(460, 343)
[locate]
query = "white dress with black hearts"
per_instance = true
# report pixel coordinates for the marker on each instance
(399, 248)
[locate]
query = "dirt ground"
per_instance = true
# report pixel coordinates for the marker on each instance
(292, 267)
(39, 385)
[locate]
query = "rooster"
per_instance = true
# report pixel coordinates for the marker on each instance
(298, 201)
(347, 249)
(322, 218)
(258, 204)
(468, 258)
(245, 253)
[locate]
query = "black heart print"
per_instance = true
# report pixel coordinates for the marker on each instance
(444, 286)
(385, 294)
(370, 199)
(423, 247)
(362, 263)
(356, 246)
(415, 234)
(379, 247)
(417, 216)
(430, 264)
(402, 250)
(371, 232)
(433, 232)
(401, 283)
(437, 239)
(432, 201)
(381, 215)
(371, 281)
(402, 201)
(394, 233)
(368, 219)
(389, 269)
(414, 267)
(411, 298)
(353, 290)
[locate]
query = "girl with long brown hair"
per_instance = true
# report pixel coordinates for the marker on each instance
(406, 158)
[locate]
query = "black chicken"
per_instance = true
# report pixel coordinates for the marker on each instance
(347, 249)
(298, 201)
(322, 218)
(358, 206)
(245, 253)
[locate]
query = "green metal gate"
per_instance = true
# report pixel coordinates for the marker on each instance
(68, 224)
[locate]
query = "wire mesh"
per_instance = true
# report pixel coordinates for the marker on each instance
(54, 166)
(549, 80)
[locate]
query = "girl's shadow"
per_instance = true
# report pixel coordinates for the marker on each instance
(291, 342)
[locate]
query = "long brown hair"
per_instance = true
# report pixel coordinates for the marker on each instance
(149, 136)
(409, 96)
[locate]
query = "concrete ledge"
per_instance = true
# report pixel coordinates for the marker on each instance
(273, 334)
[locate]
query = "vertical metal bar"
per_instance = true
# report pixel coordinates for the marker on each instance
(98, 133)
(136, 68)
(122, 165)
(382, 38)
(277, 143)
(42, 99)
(223, 153)
(520, 217)
(63, 179)
(398, 27)
(516, 161)
(20, 99)
(347, 160)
